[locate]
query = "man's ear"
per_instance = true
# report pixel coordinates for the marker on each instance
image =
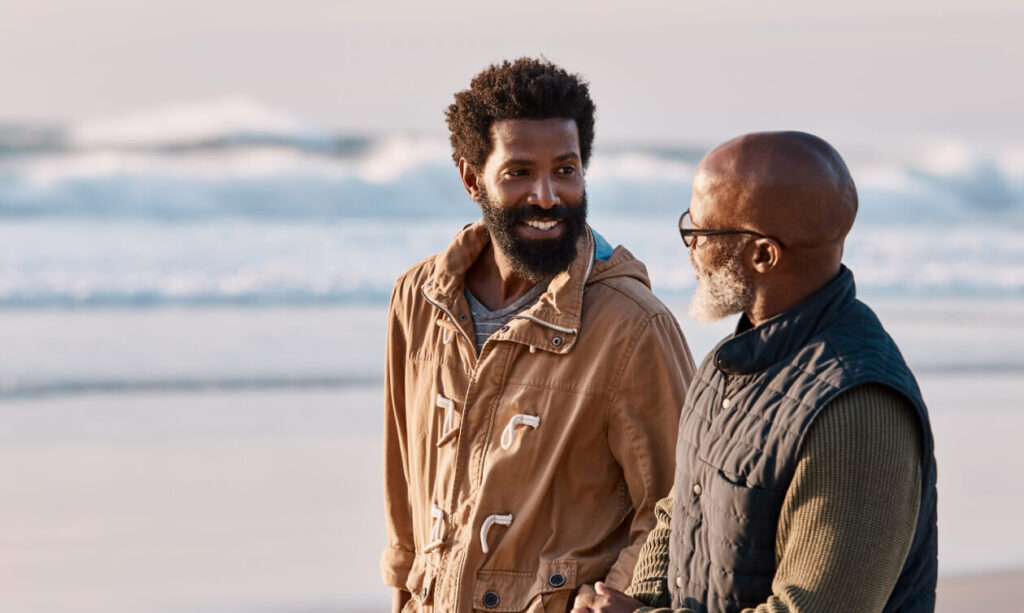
(767, 254)
(470, 180)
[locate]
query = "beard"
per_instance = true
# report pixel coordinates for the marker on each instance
(534, 259)
(723, 289)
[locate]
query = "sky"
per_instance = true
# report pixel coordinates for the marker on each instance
(870, 73)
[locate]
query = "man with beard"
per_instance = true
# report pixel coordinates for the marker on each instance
(805, 473)
(533, 382)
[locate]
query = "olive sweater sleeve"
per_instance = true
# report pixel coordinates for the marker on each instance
(849, 515)
(650, 576)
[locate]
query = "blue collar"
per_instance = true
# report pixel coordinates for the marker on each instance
(602, 250)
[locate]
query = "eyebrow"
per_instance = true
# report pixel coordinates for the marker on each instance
(565, 157)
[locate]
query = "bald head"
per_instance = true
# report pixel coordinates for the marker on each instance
(792, 186)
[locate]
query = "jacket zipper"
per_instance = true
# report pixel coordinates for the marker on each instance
(450, 316)
(549, 325)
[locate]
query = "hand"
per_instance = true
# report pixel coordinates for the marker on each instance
(584, 597)
(604, 599)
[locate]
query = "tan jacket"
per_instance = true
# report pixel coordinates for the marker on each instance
(517, 475)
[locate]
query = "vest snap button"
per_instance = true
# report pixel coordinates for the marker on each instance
(727, 403)
(679, 582)
(491, 600)
(556, 580)
(697, 489)
(557, 341)
(462, 317)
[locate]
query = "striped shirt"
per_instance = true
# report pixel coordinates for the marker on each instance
(486, 322)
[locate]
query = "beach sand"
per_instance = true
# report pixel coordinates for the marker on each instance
(995, 592)
(269, 499)
(261, 501)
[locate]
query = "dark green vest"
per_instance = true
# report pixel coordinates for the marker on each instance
(745, 416)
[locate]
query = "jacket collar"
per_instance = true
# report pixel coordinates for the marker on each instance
(552, 323)
(753, 349)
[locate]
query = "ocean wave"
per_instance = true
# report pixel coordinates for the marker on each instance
(85, 263)
(402, 176)
(22, 388)
(233, 202)
(236, 157)
(17, 389)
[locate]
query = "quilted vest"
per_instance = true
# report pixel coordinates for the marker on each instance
(744, 419)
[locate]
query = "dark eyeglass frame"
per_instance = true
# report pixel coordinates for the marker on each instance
(689, 235)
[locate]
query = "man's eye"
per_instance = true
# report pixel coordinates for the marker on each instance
(515, 172)
(567, 170)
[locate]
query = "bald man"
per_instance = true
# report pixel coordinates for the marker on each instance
(805, 472)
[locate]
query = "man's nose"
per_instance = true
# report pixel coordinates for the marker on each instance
(543, 194)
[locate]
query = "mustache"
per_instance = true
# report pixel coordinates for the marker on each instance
(559, 212)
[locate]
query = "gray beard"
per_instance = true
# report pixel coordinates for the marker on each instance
(721, 292)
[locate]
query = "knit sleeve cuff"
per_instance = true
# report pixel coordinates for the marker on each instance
(652, 593)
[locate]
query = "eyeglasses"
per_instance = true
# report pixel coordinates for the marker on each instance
(689, 234)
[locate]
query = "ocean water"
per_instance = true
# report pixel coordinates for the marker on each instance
(234, 203)
(192, 303)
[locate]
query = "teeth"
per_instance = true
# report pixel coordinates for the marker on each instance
(541, 225)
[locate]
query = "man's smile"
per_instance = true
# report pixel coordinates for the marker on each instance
(542, 228)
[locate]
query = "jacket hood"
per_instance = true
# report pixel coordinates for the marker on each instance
(620, 264)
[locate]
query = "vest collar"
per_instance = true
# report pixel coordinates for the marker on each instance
(753, 349)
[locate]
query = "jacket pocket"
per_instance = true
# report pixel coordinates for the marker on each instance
(508, 591)
(420, 582)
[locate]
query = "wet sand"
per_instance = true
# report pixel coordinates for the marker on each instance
(997, 592)
(269, 501)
